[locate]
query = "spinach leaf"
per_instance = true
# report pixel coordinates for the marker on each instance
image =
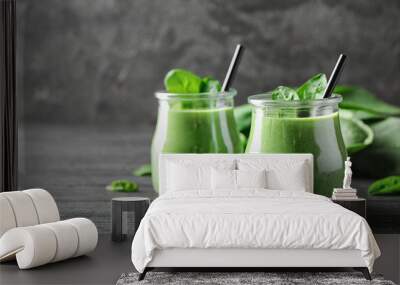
(382, 158)
(123, 186)
(284, 93)
(143, 170)
(243, 141)
(209, 84)
(366, 116)
(386, 186)
(182, 81)
(356, 134)
(357, 98)
(314, 88)
(243, 118)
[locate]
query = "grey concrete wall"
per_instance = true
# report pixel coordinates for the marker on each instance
(97, 61)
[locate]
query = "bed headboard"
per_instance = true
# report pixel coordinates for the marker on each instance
(210, 159)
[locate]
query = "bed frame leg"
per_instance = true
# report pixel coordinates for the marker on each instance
(143, 274)
(364, 271)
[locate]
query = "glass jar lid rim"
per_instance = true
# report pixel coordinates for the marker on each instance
(204, 95)
(265, 99)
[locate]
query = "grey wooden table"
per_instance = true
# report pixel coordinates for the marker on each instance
(75, 163)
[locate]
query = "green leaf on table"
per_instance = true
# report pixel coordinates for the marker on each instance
(182, 82)
(356, 134)
(386, 186)
(123, 186)
(382, 158)
(314, 88)
(143, 170)
(243, 118)
(357, 98)
(209, 84)
(284, 93)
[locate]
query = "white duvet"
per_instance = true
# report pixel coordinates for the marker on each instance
(250, 219)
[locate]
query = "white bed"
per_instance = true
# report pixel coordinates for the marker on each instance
(249, 227)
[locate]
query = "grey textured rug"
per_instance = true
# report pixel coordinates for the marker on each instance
(229, 278)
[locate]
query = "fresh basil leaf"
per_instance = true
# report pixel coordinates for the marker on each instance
(209, 84)
(386, 186)
(123, 186)
(182, 81)
(356, 134)
(382, 158)
(357, 98)
(143, 170)
(313, 88)
(284, 93)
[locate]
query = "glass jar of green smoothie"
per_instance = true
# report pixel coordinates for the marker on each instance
(301, 127)
(194, 123)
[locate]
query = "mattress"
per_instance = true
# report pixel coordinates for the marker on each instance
(250, 219)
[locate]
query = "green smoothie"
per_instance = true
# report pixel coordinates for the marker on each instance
(318, 135)
(206, 130)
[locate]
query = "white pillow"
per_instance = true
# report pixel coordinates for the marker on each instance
(294, 180)
(251, 178)
(182, 177)
(226, 179)
(282, 174)
(223, 179)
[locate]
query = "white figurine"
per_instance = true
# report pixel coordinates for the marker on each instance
(347, 174)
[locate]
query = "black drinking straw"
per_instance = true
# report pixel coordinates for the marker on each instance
(232, 68)
(335, 76)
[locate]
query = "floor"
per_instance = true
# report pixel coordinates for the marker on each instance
(103, 266)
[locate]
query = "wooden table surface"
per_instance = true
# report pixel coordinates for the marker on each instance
(75, 163)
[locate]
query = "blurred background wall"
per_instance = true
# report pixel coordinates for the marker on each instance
(100, 61)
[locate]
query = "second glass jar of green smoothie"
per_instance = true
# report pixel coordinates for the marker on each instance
(301, 127)
(194, 123)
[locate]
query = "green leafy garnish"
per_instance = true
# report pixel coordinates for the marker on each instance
(182, 81)
(386, 186)
(143, 170)
(356, 134)
(313, 88)
(185, 82)
(209, 84)
(357, 98)
(123, 186)
(284, 93)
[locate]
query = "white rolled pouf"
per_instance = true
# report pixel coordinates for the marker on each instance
(88, 235)
(37, 245)
(32, 246)
(7, 218)
(67, 240)
(46, 207)
(23, 208)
